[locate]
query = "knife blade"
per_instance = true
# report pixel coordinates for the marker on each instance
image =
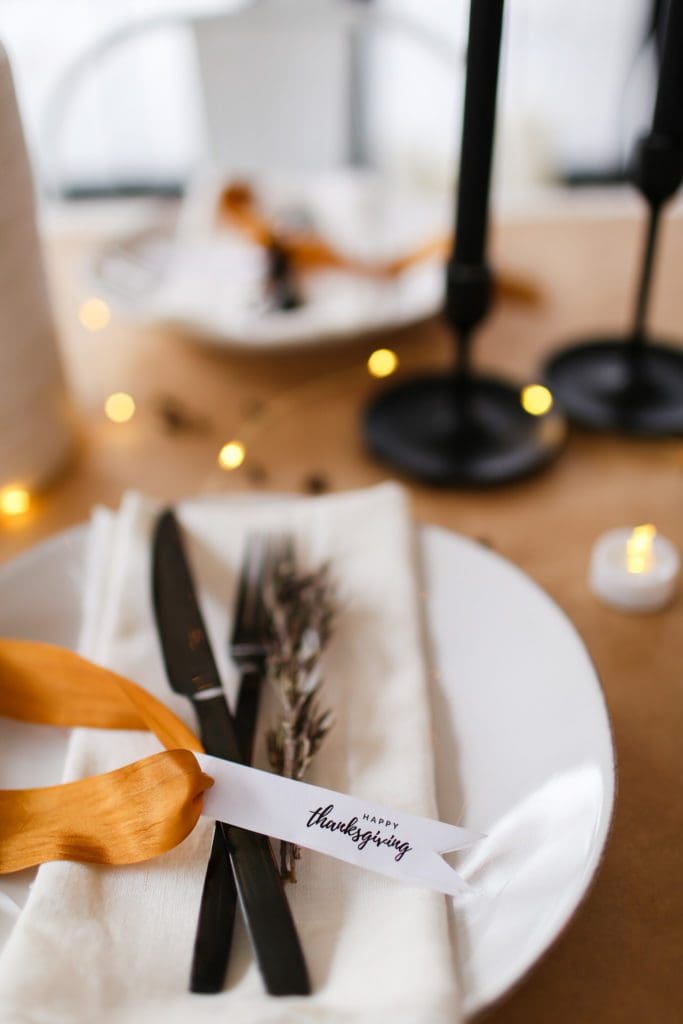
(191, 670)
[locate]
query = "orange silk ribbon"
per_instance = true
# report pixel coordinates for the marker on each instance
(128, 815)
(238, 206)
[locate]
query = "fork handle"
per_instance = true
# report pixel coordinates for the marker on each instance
(246, 713)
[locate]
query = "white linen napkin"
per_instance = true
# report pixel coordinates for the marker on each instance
(114, 945)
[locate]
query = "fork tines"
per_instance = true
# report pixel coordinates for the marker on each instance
(248, 646)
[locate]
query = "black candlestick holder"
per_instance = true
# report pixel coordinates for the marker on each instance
(631, 385)
(462, 428)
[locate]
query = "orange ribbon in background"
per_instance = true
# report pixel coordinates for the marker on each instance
(132, 814)
(239, 208)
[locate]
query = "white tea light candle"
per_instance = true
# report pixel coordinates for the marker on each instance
(634, 570)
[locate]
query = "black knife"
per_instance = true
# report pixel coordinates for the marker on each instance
(192, 671)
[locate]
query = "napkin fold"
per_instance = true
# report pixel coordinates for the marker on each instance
(115, 944)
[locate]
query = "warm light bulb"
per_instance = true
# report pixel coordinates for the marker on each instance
(382, 362)
(231, 455)
(14, 500)
(639, 549)
(119, 407)
(94, 314)
(536, 399)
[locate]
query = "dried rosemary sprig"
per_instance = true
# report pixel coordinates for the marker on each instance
(301, 608)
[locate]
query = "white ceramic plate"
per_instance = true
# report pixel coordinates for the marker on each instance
(210, 282)
(521, 740)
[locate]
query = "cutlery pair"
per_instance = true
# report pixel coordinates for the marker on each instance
(241, 864)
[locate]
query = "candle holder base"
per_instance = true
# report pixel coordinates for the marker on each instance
(608, 384)
(443, 433)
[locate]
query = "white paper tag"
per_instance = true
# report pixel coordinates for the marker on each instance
(369, 835)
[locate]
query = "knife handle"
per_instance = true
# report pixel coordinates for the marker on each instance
(219, 895)
(259, 887)
(216, 921)
(217, 728)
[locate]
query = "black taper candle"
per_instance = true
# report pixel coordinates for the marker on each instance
(668, 116)
(483, 49)
(658, 165)
(630, 384)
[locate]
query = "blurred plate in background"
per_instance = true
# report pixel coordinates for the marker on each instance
(210, 280)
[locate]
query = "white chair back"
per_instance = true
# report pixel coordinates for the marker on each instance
(276, 85)
(283, 83)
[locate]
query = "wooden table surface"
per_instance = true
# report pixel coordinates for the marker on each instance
(621, 959)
